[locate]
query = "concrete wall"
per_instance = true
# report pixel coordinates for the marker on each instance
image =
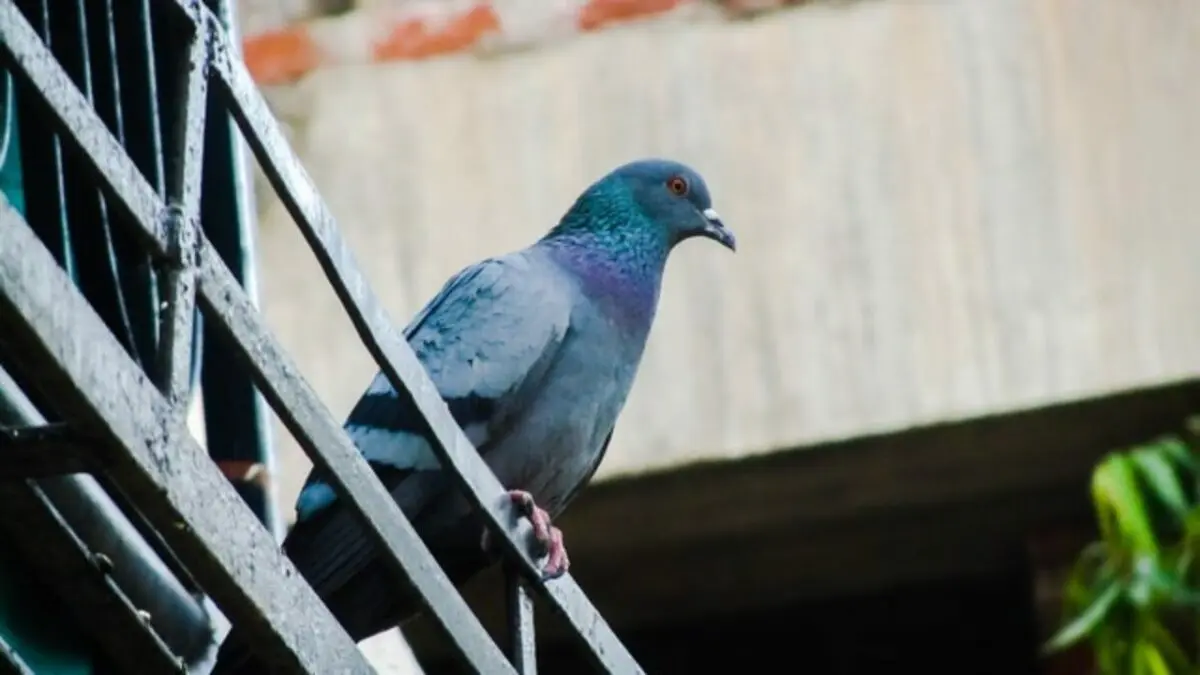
(945, 208)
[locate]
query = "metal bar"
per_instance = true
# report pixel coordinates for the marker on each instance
(236, 417)
(10, 662)
(108, 70)
(131, 31)
(133, 296)
(135, 49)
(82, 367)
(183, 194)
(138, 282)
(179, 618)
(324, 440)
(178, 316)
(82, 576)
(94, 519)
(218, 286)
(45, 83)
(294, 187)
(108, 267)
(91, 512)
(34, 66)
(388, 349)
(522, 639)
(44, 450)
(186, 150)
(82, 579)
(44, 192)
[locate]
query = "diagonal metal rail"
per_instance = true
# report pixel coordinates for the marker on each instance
(154, 458)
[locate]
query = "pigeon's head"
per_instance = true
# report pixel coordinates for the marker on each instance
(674, 197)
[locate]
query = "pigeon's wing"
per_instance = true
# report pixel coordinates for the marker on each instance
(486, 340)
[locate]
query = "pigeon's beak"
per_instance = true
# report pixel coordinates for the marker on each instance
(714, 229)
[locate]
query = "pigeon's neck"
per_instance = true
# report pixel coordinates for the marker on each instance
(620, 266)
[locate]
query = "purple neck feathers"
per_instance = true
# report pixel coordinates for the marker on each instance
(625, 281)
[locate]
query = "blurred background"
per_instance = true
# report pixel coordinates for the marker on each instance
(967, 270)
(881, 434)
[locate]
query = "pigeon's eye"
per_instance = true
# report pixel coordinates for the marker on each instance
(677, 185)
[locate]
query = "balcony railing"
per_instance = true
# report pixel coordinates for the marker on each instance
(125, 421)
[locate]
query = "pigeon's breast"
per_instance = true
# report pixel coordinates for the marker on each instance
(559, 440)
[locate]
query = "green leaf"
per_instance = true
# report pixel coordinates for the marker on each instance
(1179, 453)
(1085, 622)
(1192, 522)
(1119, 507)
(1090, 573)
(1147, 660)
(1111, 653)
(1152, 464)
(1154, 577)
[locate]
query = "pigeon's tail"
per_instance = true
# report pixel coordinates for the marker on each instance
(337, 558)
(365, 605)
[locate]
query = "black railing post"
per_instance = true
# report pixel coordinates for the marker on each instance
(236, 424)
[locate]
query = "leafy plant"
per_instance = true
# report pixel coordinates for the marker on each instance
(1134, 595)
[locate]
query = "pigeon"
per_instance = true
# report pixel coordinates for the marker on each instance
(534, 353)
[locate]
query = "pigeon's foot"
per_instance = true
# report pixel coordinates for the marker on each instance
(550, 537)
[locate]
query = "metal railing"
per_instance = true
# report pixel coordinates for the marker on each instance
(135, 425)
(11, 663)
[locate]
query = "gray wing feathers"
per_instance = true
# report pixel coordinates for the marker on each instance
(490, 327)
(490, 334)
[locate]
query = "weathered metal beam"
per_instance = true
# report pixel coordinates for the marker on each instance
(83, 369)
(80, 576)
(186, 151)
(219, 289)
(179, 310)
(522, 639)
(129, 191)
(91, 522)
(45, 450)
(299, 195)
